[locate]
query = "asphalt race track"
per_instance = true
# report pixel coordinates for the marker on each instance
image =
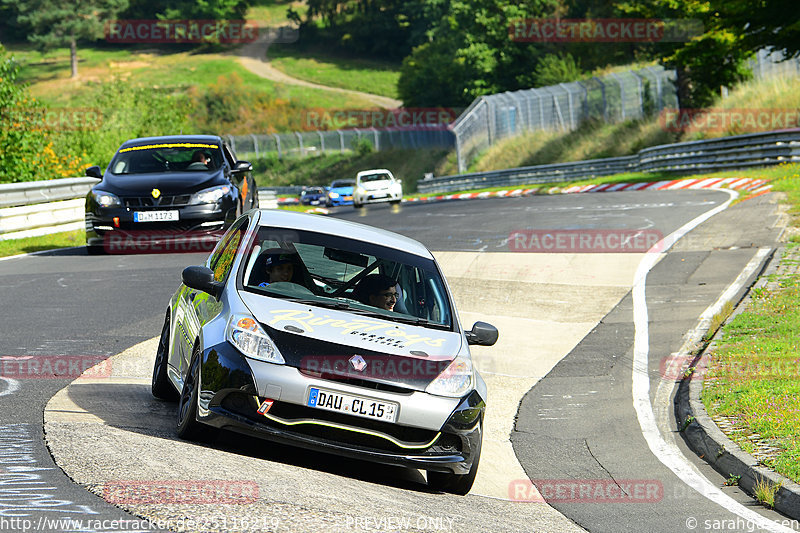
(566, 320)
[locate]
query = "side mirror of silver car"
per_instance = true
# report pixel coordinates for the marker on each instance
(482, 334)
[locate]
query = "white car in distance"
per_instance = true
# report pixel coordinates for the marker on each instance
(377, 185)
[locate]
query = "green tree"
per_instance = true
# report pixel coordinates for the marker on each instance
(54, 23)
(557, 68)
(762, 23)
(705, 63)
(26, 152)
(204, 9)
(469, 53)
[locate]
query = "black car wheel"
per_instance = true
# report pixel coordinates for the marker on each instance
(456, 483)
(188, 426)
(95, 250)
(160, 385)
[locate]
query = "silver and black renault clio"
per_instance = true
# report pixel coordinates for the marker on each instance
(328, 335)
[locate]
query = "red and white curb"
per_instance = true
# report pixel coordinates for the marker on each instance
(474, 195)
(754, 186)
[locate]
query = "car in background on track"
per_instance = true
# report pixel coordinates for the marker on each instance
(313, 196)
(340, 192)
(375, 186)
(170, 189)
(308, 363)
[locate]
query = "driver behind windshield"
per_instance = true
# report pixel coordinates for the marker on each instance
(279, 267)
(377, 290)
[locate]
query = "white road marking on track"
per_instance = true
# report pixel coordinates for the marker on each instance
(669, 454)
(12, 386)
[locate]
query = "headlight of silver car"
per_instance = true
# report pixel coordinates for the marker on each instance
(210, 195)
(106, 199)
(249, 338)
(456, 380)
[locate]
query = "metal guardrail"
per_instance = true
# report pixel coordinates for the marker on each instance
(34, 192)
(741, 151)
(42, 207)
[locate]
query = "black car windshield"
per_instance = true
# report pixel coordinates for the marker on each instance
(167, 157)
(346, 274)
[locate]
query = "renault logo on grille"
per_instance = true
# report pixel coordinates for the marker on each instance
(156, 193)
(358, 363)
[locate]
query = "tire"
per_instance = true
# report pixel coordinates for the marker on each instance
(95, 250)
(394, 202)
(188, 427)
(456, 483)
(357, 205)
(160, 386)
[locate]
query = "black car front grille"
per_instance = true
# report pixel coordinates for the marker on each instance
(238, 404)
(162, 201)
(167, 229)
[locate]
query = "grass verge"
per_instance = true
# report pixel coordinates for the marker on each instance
(46, 242)
(752, 377)
(320, 66)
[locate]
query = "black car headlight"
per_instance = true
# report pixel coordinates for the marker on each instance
(210, 195)
(106, 199)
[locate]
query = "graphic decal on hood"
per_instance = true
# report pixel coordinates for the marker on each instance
(367, 329)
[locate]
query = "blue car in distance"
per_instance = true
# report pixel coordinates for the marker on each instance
(340, 193)
(313, 196)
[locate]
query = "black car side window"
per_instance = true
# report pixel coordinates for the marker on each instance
(228, 155)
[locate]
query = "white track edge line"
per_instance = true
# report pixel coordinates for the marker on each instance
(671, 456)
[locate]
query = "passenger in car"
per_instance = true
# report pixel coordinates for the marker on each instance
(377, 290)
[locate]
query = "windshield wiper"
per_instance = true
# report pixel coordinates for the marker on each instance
(332, 304)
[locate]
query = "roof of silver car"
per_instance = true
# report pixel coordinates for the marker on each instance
(343, 228)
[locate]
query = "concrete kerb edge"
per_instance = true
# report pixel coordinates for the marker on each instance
(713, 446)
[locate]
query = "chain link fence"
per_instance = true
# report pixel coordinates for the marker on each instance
(612, 98)
(317, 142)
(773, 63)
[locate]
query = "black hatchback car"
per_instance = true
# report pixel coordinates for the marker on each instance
(169, 193)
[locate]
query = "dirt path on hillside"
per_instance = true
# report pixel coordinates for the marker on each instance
(253, 57)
